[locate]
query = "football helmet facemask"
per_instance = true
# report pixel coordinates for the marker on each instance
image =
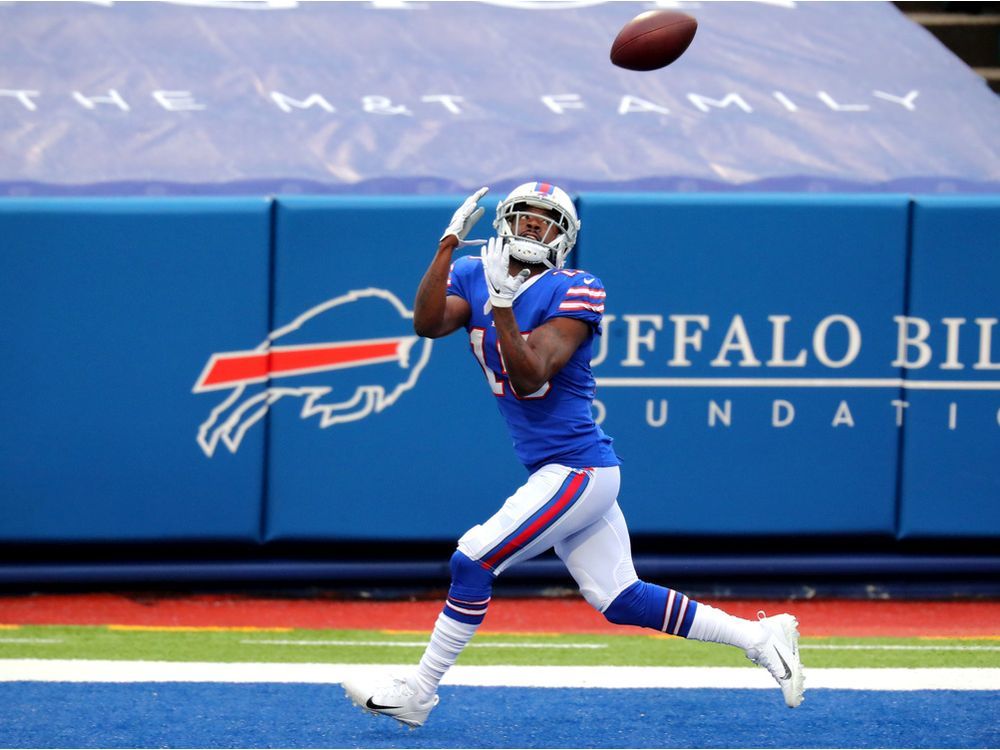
(562, 215)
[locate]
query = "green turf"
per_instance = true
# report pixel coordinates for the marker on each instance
(91, 642)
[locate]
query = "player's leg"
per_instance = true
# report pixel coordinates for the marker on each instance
(599, 558)
(556, 502)
(464, 610)
(554, 498)
(411, 699)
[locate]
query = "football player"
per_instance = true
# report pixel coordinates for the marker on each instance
(531, 325)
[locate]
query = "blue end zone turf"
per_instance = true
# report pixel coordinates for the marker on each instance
(214, 715)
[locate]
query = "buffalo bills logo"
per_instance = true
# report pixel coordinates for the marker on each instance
(345, 359)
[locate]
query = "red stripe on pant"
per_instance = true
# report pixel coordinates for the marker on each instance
(540, 522)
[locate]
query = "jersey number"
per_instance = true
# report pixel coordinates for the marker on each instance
(496, 381)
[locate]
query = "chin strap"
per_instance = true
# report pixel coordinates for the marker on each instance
(550, 252)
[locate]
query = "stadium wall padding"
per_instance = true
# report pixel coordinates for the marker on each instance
(772, 365)
(951, 442)
(412, 447)
(110, 309)
(701, 281)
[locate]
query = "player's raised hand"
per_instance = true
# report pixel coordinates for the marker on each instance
(496, 268)
(463, 219)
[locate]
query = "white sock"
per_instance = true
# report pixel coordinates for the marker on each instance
(716, 626)
(447, 641)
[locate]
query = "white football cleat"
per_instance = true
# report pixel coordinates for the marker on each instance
(397, 699)
(778, 653)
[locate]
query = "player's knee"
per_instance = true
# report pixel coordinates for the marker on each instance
(468, 577)
(629, 607)
(470, 590)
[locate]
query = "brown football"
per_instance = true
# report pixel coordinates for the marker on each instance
(653, 40)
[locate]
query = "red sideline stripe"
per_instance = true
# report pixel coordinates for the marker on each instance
(817, 617)
(235, 368)
(541, 521)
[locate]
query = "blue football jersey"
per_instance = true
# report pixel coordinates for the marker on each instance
(555, 424)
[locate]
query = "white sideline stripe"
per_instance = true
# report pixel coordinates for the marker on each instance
(423, 644)
(85, 670)
(892, 647)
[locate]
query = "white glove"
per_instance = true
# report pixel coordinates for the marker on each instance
(463, 219)
(499, 283)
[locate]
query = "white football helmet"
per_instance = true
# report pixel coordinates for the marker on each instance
(540, 195)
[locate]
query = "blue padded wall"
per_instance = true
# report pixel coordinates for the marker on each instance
(832, 468)
(951, 458)
(110, 309)
(422, 451)
(246, 370)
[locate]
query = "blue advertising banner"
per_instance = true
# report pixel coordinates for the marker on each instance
(398, 436)
(246, 370)
(747, 376)
(950, 347)
(110, 309)
(410, 97)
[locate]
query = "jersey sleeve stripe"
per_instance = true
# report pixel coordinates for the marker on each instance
(586, 291)
(581, 306)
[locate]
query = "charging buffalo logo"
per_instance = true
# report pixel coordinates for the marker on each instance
(345, 359)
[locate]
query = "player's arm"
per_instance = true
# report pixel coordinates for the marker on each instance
(435, 312)
(529, 363)
(533, 361)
